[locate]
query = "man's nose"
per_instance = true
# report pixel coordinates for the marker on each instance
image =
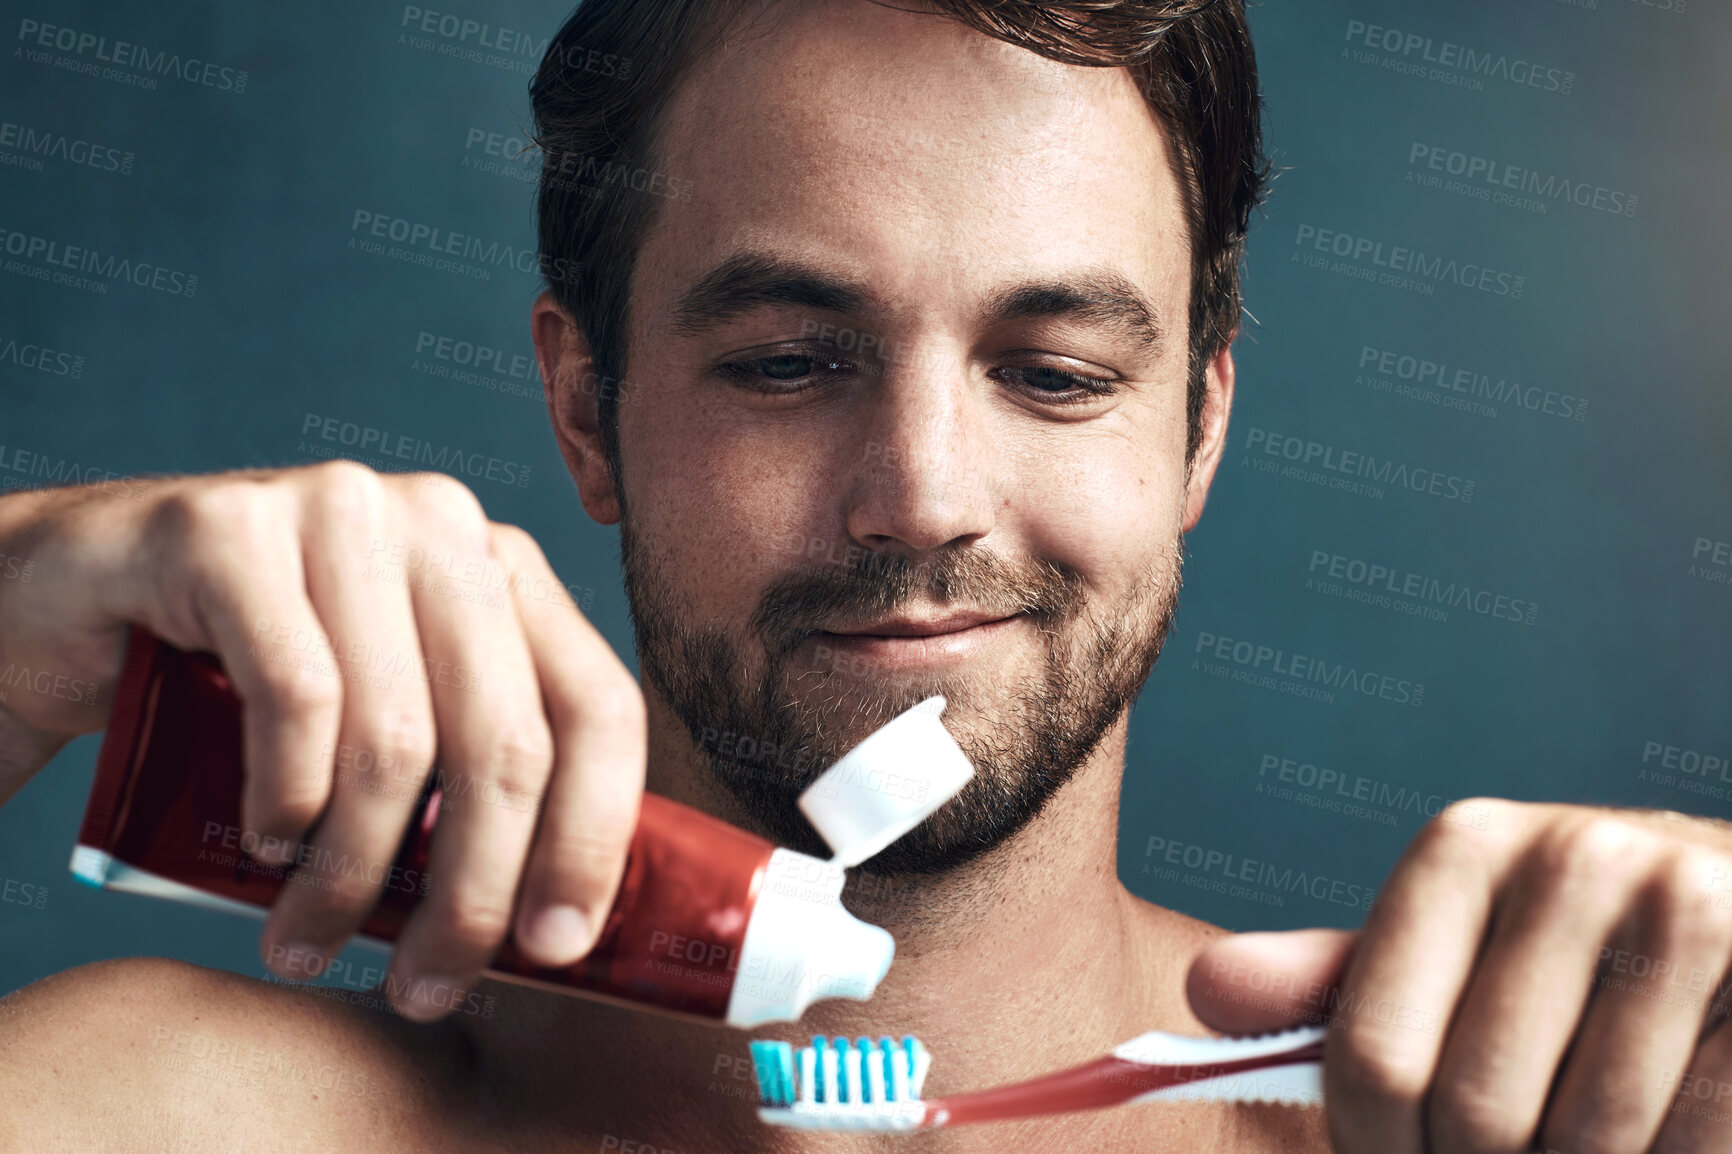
(923, 464)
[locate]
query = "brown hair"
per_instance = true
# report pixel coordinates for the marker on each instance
(612, 68)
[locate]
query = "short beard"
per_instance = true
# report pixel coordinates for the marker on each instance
(1024, 747)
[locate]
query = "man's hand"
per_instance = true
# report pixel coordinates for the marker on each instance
(368, 622)
(1546, 977)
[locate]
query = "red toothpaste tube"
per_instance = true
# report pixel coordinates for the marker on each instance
(710, 921)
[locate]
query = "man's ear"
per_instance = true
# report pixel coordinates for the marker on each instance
(568, 377)
(1217, 404)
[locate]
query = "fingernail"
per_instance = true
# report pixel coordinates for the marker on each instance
(298, 961)
(557, 935)
(429, 996)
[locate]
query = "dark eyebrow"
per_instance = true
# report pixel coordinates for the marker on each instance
(747, 279)
(1099, 297)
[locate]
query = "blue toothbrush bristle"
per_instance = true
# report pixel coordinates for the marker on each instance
(863, 1047)
(774, 1064)
(823, 1089)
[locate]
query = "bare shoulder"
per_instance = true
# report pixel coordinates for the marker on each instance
(167, 1055)
(1166, 942)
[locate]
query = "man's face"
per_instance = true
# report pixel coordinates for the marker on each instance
(906, 411)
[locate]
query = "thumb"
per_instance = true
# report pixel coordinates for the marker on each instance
(1256, 983)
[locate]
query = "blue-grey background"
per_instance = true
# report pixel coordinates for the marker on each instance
(1595, 521)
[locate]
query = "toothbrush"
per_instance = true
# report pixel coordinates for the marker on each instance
(835, 1084)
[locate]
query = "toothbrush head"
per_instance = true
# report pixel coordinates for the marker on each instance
(837, 1084)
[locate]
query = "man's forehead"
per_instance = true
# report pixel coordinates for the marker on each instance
(853, 129)
(871, 73)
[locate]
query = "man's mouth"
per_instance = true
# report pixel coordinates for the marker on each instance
(924, 626)
(909, 642)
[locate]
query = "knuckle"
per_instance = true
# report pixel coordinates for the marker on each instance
(198, 524)
(1467, 819)
(473, 924)
(403, 740)
(350, 490)
(284, 689)
(1682, 898)
(1469, 812)
(1476, 1117)
(448, 503)
(206, 539)
(616, 702)
(1368, 1070)
(1587, 850)
(514, 541)
(189, 508)
(334, 891)
(287, 809)
(519, 756)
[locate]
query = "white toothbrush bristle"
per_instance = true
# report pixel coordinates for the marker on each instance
(852, 1087)
(808, 1075)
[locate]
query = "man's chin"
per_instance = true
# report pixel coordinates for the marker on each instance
(1020, 764)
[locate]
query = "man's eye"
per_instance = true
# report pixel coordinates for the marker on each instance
(1058, 384)
(786, 368)
(782, 367)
